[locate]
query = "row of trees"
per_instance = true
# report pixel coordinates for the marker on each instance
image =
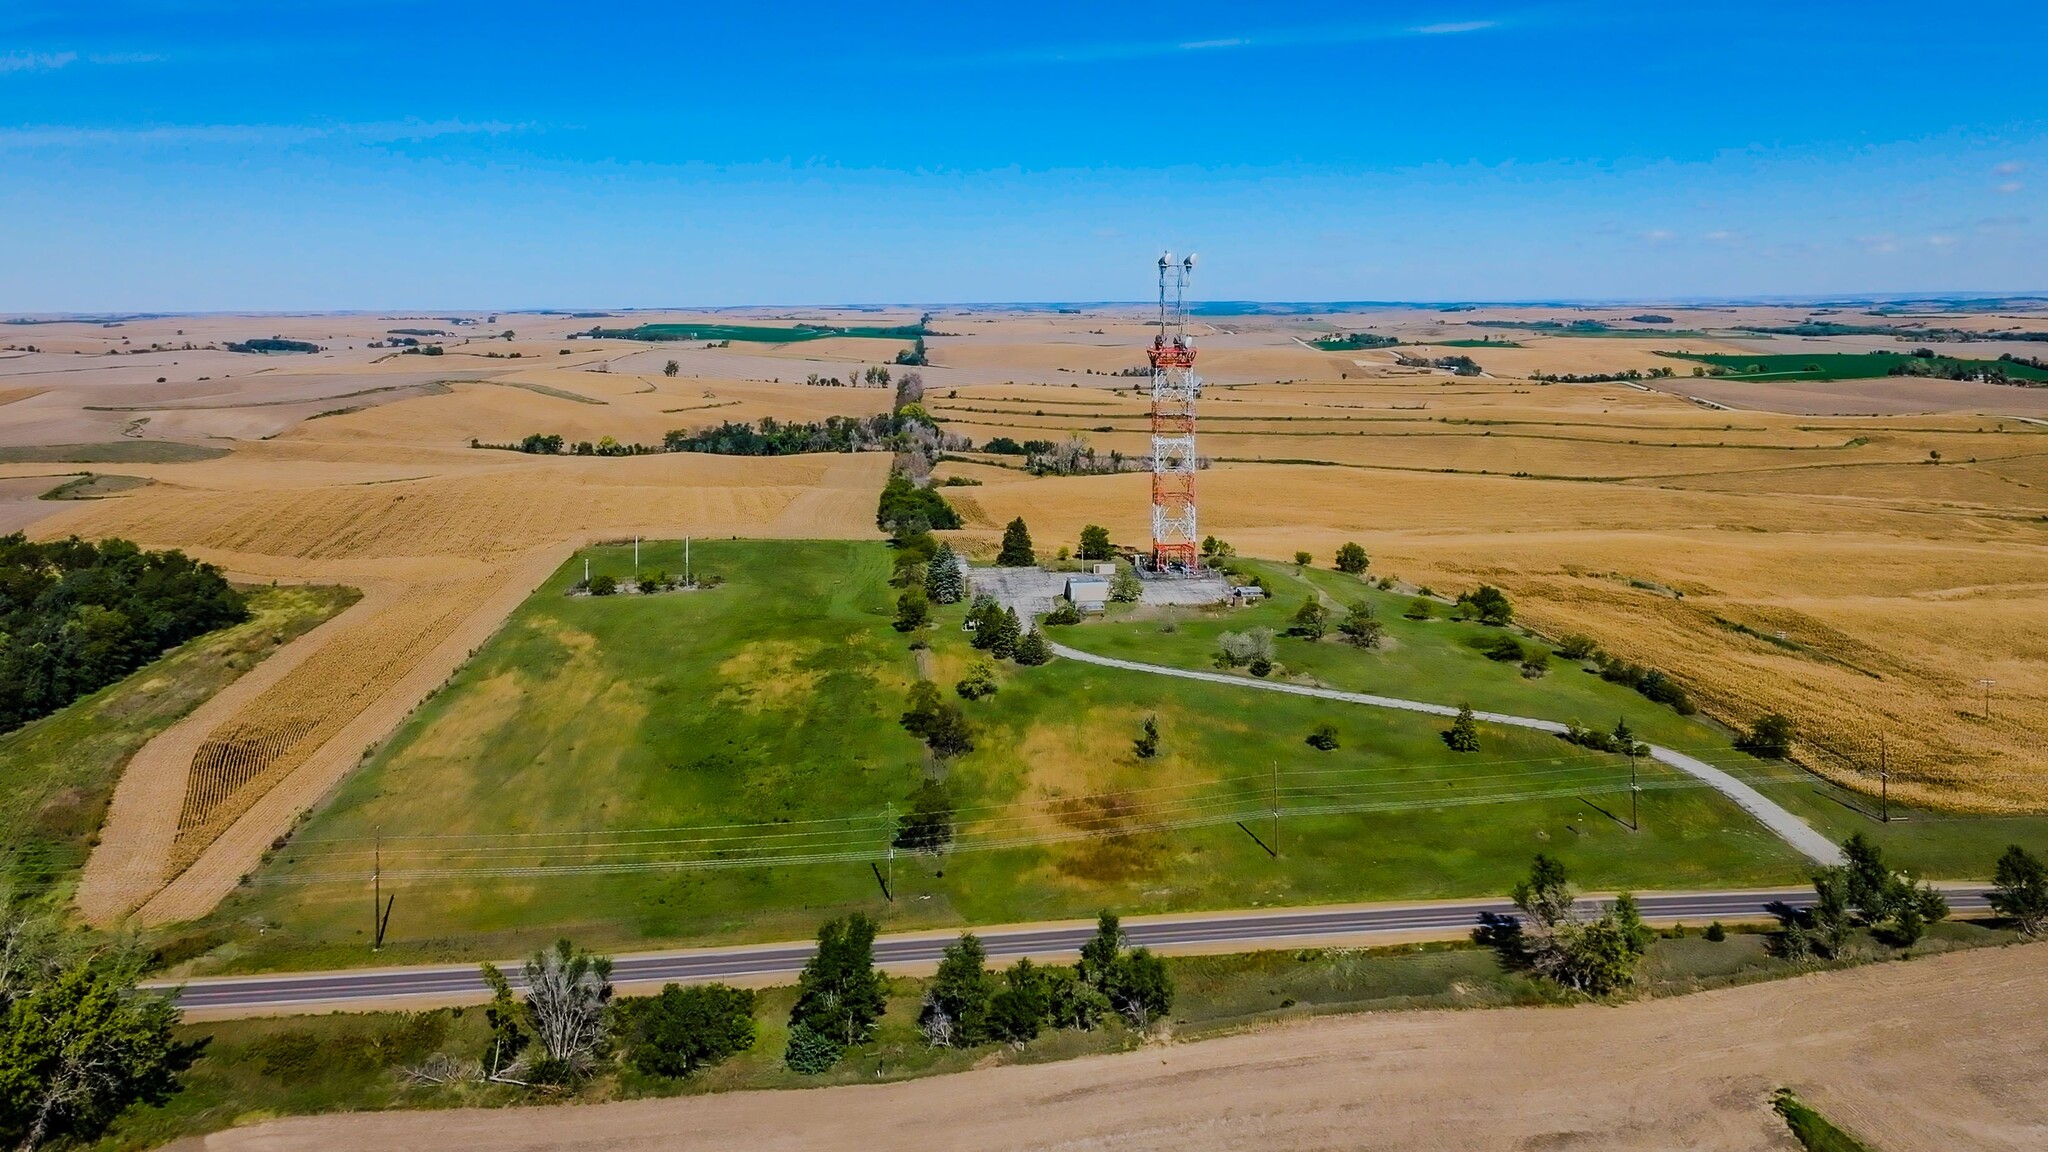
(967, 1005)
(76, 616)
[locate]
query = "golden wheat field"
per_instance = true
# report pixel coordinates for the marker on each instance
(1777, 547)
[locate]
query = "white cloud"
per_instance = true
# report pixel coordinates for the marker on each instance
(1657, 235)
(2010, 168)
(1723, 236)
(1879, 244)
(1941, 241)
(1452, 29)
(2010, 187)
(35, 61)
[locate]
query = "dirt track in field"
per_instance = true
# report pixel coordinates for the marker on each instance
(1939, 1054)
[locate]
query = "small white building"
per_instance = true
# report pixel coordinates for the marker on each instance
(1088, 593)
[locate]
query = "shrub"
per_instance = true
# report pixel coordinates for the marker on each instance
(810, 1051)
(1504, 648)
(1324, 738)
(1715, 933)
(1535, 663)
(603, 585)
(1260, 667)
(1769, 738)
(1303, 559)
(1420, 608)
(928, 825)
(683, 1029)
(980, 681)
(1577, 646)
(1064, 613)
(913, 610)
(1351, 558)
(1239, 648)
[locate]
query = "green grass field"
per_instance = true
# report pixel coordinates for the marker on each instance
(1839, 365)
(718, 765)
(1433, 660)
(60, 770)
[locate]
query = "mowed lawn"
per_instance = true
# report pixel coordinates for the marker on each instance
(596, 742)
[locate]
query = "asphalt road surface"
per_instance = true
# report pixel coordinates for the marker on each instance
(1239, 931)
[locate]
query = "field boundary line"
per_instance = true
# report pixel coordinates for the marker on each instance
(130, 862)
(1788, 827)
(239, 850)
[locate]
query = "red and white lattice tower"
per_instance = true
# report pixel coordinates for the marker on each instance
(1174, 390)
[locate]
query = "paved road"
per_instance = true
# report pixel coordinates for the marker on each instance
(1192, 932)
(1788, 827)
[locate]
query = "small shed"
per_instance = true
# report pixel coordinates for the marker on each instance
(1088, 593)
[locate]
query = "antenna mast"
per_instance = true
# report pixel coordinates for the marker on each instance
(1174, 390)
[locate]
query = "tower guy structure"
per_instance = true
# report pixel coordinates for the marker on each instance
(1175, 388)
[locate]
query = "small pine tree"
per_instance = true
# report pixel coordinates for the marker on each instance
(1016, 551)
(1033, 650)
(1463, 734)
(1147, 744)
(1008, 632)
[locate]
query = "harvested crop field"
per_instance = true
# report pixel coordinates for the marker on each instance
(1860, 573)
(1927, 1056)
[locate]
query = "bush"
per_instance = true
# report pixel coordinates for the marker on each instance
(603, 585)
(1147, 743)
(1063, 614)
(980, 681)
(810, 1052)
(1361, 626)
(1715, 933)
(1311, 620)
(683, 1029)
(913, 610)
(1235, 649)
(1535, 663)
(1324, 738)
(1769, 738)
(1351, 558)
(1420, 608)
(1125, 587)
(1260, 667)
(1577, 646)
(1504, 648)
(1303, 559)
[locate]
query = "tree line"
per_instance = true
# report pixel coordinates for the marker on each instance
(76, 616)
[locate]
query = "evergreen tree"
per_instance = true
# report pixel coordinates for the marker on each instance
(1016, 551)
(840, 994)
(1147, 743)
(1033, 650)
(1006, 634)
(1463, 734)
(943, 583)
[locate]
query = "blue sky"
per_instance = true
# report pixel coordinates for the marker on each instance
(220, 154)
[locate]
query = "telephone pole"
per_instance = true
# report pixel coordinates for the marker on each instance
(1276, 807)
(1987, 696)
(377, 891)
(1884, 782)
(1634, 790)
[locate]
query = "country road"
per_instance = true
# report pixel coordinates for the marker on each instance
(1794, 831)
(1209, 931)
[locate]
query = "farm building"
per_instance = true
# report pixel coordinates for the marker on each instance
(1088, 593)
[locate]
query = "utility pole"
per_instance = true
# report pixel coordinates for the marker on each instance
(687, 582)
(1634, 790)
(377, 891)
(1987, 696)
(1276, 807)
(636, 559)
(586, 571)
(1884, 782)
